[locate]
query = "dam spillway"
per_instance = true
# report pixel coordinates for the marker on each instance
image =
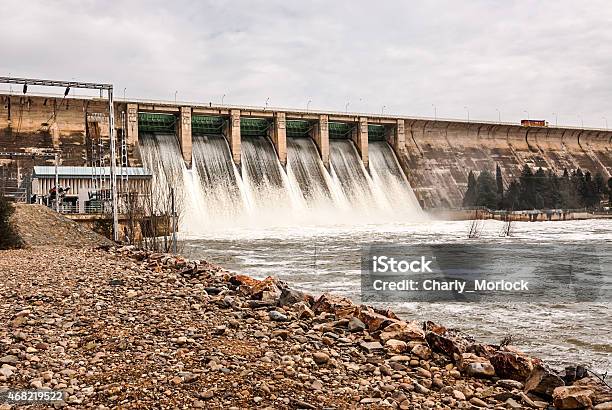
(217, 194)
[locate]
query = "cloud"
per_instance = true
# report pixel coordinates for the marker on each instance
(515, 56)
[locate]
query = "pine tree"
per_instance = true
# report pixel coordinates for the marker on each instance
(527, 198)
(539, 189)
(469, 199)
(500, 187)
(487, 190)
(513, 196)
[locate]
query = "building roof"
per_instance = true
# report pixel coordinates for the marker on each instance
(88, 172)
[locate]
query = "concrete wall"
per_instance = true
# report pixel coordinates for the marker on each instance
(34, 124)
(440, 154)
(436, 155)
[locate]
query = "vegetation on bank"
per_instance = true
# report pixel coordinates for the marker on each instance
(539, 190)
(8, 237)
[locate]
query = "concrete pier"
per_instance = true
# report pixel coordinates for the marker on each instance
(360, 138)
(396, 136)
(278, 135)
(184, 134)
(320, 135)
(132, 124)
(233, 135)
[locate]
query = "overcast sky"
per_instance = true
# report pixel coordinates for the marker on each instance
(515, 56)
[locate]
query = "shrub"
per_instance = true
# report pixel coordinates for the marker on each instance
(8, 237)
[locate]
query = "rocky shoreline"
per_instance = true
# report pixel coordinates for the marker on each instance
(115, 327)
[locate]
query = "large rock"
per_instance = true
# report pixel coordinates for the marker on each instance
(289, 297)
(445, 344)
(405, 331)
(396, 346)
(476, 366)
(572, 397)
(339, 305)
(602, 393)
(375, 321)
(543, 381)
(510, 365)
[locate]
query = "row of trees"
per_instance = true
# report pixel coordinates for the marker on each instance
(539, 190)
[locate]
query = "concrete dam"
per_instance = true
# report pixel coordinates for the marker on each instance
(269, 164)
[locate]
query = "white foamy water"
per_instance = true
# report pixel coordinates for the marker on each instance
(217, 196)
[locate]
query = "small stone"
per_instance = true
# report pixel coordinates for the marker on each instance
(454, 374)
(9, 359)
(604, 406)
(420, 389)
(510, 384)
(320, 358)
(478, 402)
(512, 404)
(181, 340)
(317, 385)
(424, 373)
(371, 346)
(458, 395)
(176, 380)
(395, 346)
(37, 384)
(421, 351)
(131, 293)
(277, 316)
(6, 371)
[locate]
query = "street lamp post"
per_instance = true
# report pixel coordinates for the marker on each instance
(498, 115)
(308, 105)
(382, 110)
(581, 120)
(526, 112)
(606, 121)
(222, 99)
(556, 119)
(267, 101)
(175, 93)
(124, 89)
(468, 112)
(435, 111)
(346, 106)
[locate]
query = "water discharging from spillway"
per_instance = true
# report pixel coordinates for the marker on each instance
(217, 195)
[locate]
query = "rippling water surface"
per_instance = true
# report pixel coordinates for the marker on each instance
(327, 259)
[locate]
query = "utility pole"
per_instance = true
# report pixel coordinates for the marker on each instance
(57, 183)
(173, 221)
(113, 165)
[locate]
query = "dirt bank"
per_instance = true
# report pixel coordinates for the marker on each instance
(38, 225)
(124, 329)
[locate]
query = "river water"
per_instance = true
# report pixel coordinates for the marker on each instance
(321, 259)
